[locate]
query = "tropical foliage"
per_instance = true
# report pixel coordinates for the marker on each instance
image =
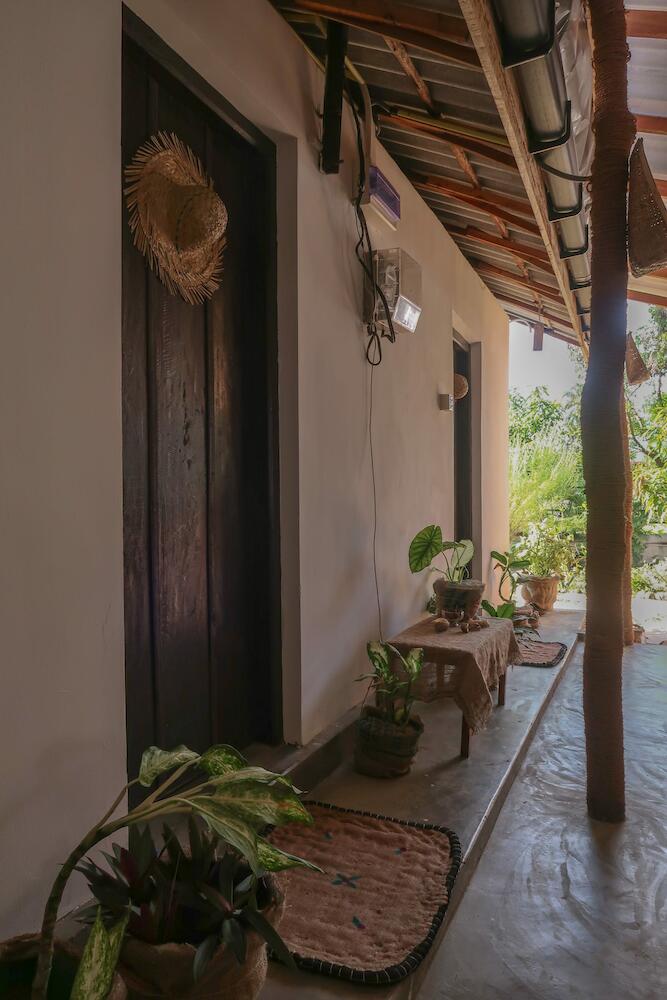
(205, 896)
(428, 544)
(234, 800)
(393, 688)
(547, 498)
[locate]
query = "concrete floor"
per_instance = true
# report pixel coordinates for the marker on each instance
(560, 906)
(442, 788)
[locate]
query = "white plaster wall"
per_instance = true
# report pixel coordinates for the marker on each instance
(62, 713)
(62, 729)
(252, 57)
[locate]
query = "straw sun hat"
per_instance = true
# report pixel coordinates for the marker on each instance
(177, 220)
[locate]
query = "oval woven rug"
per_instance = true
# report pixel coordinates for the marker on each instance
(373, 914)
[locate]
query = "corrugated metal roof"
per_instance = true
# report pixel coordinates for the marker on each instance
(462, 102)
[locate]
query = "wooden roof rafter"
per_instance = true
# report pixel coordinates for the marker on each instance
(407, 65)
(432, 30)
(437, 129)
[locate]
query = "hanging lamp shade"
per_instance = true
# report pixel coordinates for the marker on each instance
(460, 386)
(635, 367)
(647, 217)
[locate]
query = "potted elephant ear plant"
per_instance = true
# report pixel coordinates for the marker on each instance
(388, 732)
(235, 802)
(456, 596)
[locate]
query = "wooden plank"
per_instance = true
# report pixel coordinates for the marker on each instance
(533, 311)
(399, 51)
(454, 188)
(407, 65)
(428, 30)
(521, 251)
(481, 25)
(533, 286)
(646, 23)
(437, 130)
(650, 297)
(476, 200)
(651, 124)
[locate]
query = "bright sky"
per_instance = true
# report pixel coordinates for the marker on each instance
(552, 366)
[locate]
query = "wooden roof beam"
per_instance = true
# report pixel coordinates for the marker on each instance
(476, 199)
(652, 124)
(407, 65)
(481, 25)
(520, 306)
(646, 23)
(439, 130)
(431, 30)
(649, 297)
(536, 287)
(533, 255)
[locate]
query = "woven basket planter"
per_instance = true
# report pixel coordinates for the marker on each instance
(458, 600)
(541, 591)
(18, 960)
(165, 970)
(383, 749)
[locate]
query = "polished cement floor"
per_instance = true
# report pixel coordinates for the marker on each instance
(560, 907)
(442, 788)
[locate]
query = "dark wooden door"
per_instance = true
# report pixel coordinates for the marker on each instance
(462, 450)
(199, 447)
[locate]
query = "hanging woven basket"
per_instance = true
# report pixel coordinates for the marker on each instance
(635, 366)
(647, 217)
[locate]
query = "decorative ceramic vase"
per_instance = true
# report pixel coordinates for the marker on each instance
(458, 600)
(541, 591)
(165, 970)
(18, 961)
(383, 749)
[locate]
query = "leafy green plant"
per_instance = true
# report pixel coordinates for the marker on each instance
(233, 799)
(95, 971)
(651, 580)
(394, 693)
(547, 550)
(428, 544)
(508, 563)
(204, 896)
(504, 610)
(508, 610)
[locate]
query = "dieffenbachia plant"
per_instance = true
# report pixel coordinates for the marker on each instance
(234, 799)
(428, 544)
(394, 692)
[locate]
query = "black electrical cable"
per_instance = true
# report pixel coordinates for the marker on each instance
(561, 173)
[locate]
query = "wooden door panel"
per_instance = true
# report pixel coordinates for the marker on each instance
(199, 461)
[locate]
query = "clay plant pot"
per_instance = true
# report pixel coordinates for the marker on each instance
(460, 600)
(165, 970)
(18, 960)
(383, 749)
(541, 591)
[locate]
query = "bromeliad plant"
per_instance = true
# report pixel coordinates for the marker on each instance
(393, 692)
(232, 798)
(205, 896)
(428, 544)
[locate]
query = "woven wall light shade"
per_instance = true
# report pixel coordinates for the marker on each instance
(177, 219)
(647, 217)
(460, 386)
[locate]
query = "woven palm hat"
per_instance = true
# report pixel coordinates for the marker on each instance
(177, 220)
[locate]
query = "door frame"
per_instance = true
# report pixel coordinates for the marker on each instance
(143, 36)
(474, 352)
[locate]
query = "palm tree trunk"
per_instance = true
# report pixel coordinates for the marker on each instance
(601, 418)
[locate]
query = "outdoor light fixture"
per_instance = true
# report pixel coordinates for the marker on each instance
(400, 280)
(532, 34)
